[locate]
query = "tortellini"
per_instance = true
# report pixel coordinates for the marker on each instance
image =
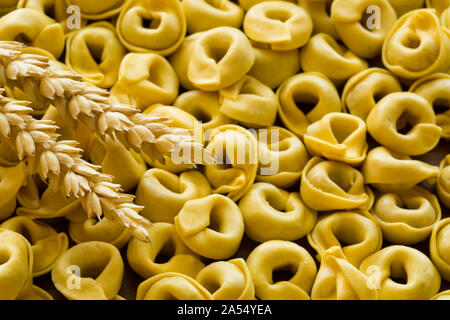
(365, 89)
(388, 171)
(36, 293)
(249, 102)
(11, 180)
(402, 273)
(126, 166)
(444, 295)
(323, 54)
(282, 157)
(8, 6)
(46, 244)
(416, 46)
(228, 280)
(435, 88)
(163, 194)
(166, 253)
(440, 248)
(332, 185)
(407, 217)
(271, 213)
(357, 233)
(33, 27)
(338, 136)
(272, 67)
(282, 256)
(338, 279)
(404, 123)
(172, 286)
(320, 12)
(236, 150)
(205, 107)
(151, 26)
(438, 5)
(97, 10)
(202, 15)
(95, 52)
(403, 6)
(89, 271)
(211, 226)
(305, 98)
(104, 230)
(443, 184)
(278, 24)
(145, 79)
(16, 258)
(362, 33)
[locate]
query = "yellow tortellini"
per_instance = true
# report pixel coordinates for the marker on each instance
(332, 185)
(444, 295)
(405, 123)
(163, 194)
(271, 213)
(165, 253)
(247, 4)
(445, 19)
(438, 5)
(282, 157)
(211, 226)
(219, 58)
(402, 273)
(34, 28)
(36, 293)
(407, 217)
(152, 26)
(47, 245)
(305, 98)
(145, 79)
(388, 171)
(97, 10)
(104, 230)
(278, 24)
(89, 271)
(236, 150)
(11, 180)
(417, 45)
(362, 33)
(323, 54)
(277, 256)
(8, 6)
(272, 67)
(172, 286)
(250, 102)
(366, 88)
(443, 184)
(126, 166)
(403, 6)
(338, 136)
(440, 248)
(338, 279)
(95, 52)
(16, 258)
(320, 12)
(202, 15)
(205, 107)
(228, 280)
(435, 88)
(357, 233)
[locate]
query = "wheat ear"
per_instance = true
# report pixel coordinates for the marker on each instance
(93, 106)
(60, 163)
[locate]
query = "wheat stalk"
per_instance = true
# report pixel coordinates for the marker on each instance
(93, 106)
(60, 163)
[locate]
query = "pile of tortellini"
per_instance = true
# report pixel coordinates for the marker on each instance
(359, 94)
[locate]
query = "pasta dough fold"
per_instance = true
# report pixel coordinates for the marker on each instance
(11, 180)
(320, 12)
(271, 213)
(166, 253)
(443, 185)
(211, 226)
(357, 230)
(338, 136)
(277, 255)
(99, 9)
(422, 280)
(331, 185)
(440, 248)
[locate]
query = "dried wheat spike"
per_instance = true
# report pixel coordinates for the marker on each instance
(93, 106)
(60, 163)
